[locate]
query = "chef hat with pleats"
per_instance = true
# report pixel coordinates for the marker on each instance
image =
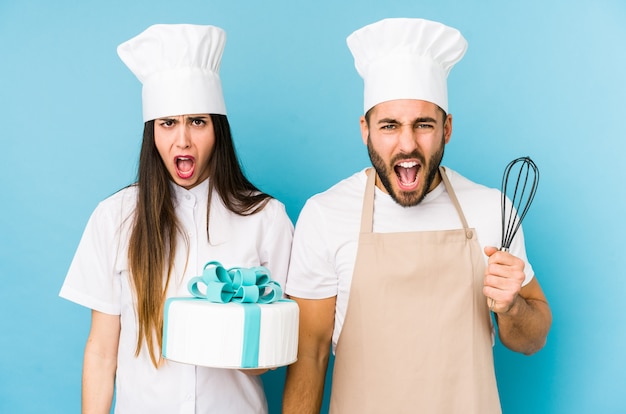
(178, 65)
(404, 58)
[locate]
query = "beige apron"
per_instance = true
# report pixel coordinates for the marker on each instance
(417, 334)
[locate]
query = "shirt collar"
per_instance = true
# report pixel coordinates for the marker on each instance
(189, 197)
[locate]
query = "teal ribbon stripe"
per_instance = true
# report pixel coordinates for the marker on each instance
(248, 286)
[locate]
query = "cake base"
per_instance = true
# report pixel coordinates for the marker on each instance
(229, 335)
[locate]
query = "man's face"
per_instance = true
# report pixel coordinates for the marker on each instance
(405, 139)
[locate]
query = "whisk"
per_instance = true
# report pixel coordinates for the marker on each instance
(521, 197)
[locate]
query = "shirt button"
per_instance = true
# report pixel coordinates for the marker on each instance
(187, 196)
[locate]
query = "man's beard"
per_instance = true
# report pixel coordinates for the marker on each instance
(386, 174)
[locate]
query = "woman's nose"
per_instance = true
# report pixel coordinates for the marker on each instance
(182, 137)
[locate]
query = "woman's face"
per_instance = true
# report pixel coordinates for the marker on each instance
(185, 143)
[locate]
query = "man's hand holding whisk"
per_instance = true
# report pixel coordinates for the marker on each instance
(505, 273)
(504, 276)
(522, 312)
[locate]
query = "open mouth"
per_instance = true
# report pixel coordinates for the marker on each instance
(407, 174)
(185, 166)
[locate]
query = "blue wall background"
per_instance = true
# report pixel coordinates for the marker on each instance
(544, 79)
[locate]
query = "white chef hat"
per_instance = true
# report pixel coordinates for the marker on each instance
(178, 65)
(406, 58)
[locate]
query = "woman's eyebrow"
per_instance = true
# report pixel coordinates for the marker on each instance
(201, 117)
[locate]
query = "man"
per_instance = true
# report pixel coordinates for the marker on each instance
(396, 265)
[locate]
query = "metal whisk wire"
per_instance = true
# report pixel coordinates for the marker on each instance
(521, 198)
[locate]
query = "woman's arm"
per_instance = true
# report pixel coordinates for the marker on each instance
(100, 363)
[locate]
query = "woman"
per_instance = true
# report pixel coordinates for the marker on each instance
(191, 204)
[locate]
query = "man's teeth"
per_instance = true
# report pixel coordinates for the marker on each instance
(407, 164)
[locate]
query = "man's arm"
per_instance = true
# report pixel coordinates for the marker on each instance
(522, 313)
(100, 363)
(304, 386)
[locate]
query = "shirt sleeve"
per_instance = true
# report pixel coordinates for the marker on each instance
(277, 239)
(92, 279)
(312, 273)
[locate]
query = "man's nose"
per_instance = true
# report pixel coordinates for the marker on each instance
(407, 139)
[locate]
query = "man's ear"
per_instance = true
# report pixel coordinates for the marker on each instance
(447, 128)
(365, 130)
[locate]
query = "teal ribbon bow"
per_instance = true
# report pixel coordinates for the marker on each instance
(237, 284)
(248, 286)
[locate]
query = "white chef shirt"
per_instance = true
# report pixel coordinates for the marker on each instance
(98, 278)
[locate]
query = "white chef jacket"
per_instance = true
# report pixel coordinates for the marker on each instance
(98, 278)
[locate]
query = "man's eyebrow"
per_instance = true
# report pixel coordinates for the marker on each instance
(388, 121)
(425, 119)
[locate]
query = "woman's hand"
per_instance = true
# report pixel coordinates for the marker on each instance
(254, 372)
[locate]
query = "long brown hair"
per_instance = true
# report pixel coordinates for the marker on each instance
(153, 238)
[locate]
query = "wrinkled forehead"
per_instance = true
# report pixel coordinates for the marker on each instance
(405, 110)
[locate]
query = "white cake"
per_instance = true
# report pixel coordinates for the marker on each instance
(201, 332)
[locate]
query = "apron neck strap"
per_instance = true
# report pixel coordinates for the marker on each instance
(367, 212)
(452, 195)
